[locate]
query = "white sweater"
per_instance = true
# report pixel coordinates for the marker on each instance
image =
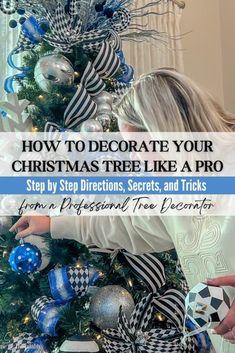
(205, 245)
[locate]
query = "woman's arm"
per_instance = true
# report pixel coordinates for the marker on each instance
(137, 235)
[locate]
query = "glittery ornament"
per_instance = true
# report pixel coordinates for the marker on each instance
(105, 306)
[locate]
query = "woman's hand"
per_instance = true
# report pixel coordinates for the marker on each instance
(28, 225)
(227, 327)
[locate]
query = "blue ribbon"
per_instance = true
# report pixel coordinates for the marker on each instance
(201, 338)
(38, 345)
(49, 317)
(61, 288)
(9, 81)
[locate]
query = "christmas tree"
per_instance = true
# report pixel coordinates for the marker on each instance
(73, 68)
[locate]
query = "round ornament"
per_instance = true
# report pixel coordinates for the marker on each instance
(20, 11)
(104, 108)
(78, 344)
(13, 24)
(40, 243)
(105, 306)
(52, 71)
(104, 98)
(91, 125)
(105, 121)
(207, 305)
(25, 258)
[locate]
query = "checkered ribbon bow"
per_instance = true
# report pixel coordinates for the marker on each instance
(133, 336)
(27, 342)
(82, 106)
(66, 29)
(151, 271)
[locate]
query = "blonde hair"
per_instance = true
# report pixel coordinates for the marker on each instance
(168, 101)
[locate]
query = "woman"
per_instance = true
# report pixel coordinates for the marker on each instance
(169, 102)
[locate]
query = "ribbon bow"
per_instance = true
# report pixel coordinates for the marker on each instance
(132, 336)
(27, 342)
(82, 106)
(66, 28)
(151, 271)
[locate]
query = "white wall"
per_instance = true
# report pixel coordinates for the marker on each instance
(227, 16)
(209, 50)
(202, 46)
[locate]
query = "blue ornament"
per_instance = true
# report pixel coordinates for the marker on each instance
(109, 12)
(13, 24)
(32, 29)
(21, 11)
(99, 7)
(127, 75)
(25, 258)
(22, 20)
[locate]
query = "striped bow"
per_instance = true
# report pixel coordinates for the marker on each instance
(133, 336)
(151, 271)
(82, 106)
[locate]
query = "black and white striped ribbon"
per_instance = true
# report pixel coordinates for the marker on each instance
(172, 305)
(82, 106)
(151, 271)
(147, 267)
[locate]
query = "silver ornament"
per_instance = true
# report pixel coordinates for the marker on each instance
(104, 97)
(91, 125)
(104, 108)
(5, 224)
(52, 71)
(105, 306)
(105, 121)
